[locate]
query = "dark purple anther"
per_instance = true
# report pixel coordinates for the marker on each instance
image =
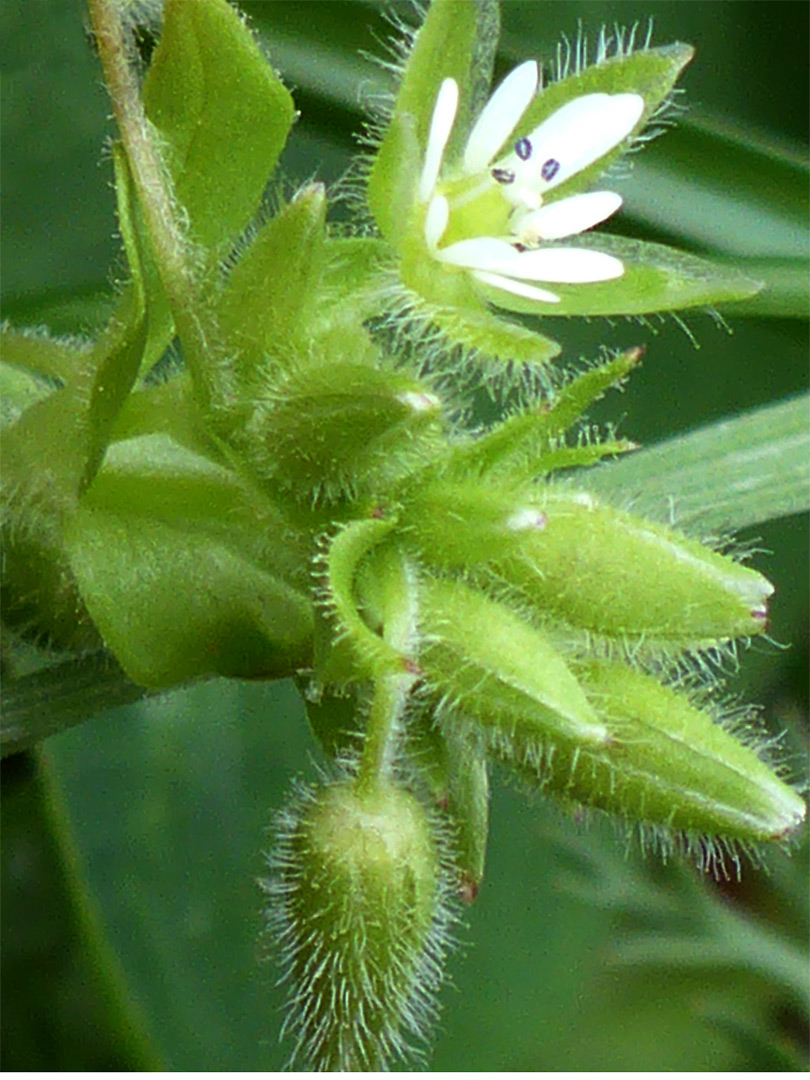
(523, 149)
(503, 176)
(550, 169)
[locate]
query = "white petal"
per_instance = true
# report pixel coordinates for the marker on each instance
(570, 265)
(482, 253)
(519, 288)
(438, 214)
(567, 217)
(441, 124)
(500, 116)
(571, 139)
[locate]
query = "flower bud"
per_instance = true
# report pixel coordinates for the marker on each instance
(500, 671)
(357, 908)
(669, 765)
(611, 573)
(341, 428)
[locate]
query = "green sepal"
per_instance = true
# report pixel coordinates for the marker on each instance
(340, 429)
(609, 572)
(500, 346)
(222, 112)
(655, 278)
(270, 296)
(456, 40)
(455, 768)
(577, 395)
(532, 435)
(490, 668)
(571, 457)
(651, 73)
(355, 269)
(347, 648)
(668, 763)
(184, 574)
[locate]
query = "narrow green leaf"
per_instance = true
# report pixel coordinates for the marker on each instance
(724, 190)
(59, 697)
(223, 112)
(785, 289)
(740, 472)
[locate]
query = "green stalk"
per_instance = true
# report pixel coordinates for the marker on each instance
(152, 184)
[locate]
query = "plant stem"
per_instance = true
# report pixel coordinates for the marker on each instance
(152, 184)
(390, 690)
(387, 706)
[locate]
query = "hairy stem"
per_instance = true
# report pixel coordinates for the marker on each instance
(399, 609)
(152, 184)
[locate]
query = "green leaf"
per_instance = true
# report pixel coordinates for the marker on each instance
(656, 278)
(38, 352)
(785, 289)
(223, 112)
(724, 189)
(182, 574)
(739, 472)
(19, 389)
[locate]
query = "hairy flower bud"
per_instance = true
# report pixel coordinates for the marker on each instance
(342, 428)
(358, 911)
(669, 765)
(484, 659)
(612, 573)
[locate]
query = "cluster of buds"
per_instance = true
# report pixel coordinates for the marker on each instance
(304, 501)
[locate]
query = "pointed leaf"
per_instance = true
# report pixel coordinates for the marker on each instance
(222, 111)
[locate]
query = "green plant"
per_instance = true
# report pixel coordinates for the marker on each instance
(308, 496)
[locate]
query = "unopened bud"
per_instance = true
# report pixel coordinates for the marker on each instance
(670, 766)
(611, 573)
(358, 908)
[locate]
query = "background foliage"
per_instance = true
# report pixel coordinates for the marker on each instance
(131, 845)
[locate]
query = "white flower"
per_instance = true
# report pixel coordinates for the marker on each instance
(570, 140)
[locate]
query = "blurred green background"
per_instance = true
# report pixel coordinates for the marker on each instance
(131, 845)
